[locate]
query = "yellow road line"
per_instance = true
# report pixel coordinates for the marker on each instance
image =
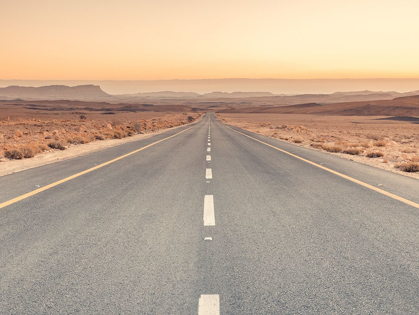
(37, 191)
(386, 193)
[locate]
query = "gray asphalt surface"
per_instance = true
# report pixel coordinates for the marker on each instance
(289, 238)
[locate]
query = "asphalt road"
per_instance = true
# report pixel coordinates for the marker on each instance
(208, 221)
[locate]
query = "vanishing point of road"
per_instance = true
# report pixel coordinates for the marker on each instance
(208, 219)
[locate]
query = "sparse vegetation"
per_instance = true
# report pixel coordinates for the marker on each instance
(27, 152)
(298, 140)
(408, 167)
(332, 148)
(352, 151)
(380, 143)
(13, 154)
(375, 154)
(56, 145)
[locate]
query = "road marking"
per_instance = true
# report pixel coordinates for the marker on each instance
(37, 191)
(386, 193)
(208, 157)
(209, 144)
(208, 149)
(208, 173)
(209, 304)
(209, 218)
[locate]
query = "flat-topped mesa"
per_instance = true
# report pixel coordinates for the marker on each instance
(62, 92)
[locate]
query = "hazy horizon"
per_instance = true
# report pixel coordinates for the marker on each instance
(276, 86)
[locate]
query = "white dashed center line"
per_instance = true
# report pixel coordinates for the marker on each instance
(209, 304)
(208, 157)
(208, 149)
(209, 218)
(208, 173)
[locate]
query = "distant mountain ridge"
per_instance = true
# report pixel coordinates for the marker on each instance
(53, 92)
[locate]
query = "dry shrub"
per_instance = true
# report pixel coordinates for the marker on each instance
(56, 145)
(130, 133)
(374, 137)
(27, 152)
(43, 147)
(298, 140)
(415, 159)
(118, 134)
(13, 154)
(353, 151)
(317, 145)
(408, 167)
(385, 161)
(409, 150)
(108, 134)
(375, 154)
(100, 137)
(18, 133)
(380, 143)
(365, 144)
(332, 148)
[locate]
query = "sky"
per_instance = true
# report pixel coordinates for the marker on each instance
(189, 39)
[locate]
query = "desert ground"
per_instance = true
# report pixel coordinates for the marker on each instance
(380, 141)
(47, 128)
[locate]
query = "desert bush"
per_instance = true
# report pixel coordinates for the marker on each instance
(13, 154)
(56, 145)
(317, 145)
(365, 144)
(380, 143)
(298, 140)
(409, 150)
(130, 133)
(408, 167)
(27, 152)
(43, 147)
(191, 119)
(352, 151)
(118, 134)
(100, 137)
(375, 154)
(332, 148)
(18, 133)
(108, 134)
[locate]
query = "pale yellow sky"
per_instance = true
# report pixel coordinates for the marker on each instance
(189, 39)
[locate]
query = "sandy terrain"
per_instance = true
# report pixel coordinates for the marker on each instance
(397, 140)
(30, 139)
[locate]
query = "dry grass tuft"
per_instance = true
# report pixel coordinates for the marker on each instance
(56, 145)
(375, 154)
(100, 137)
(18, 133)
(27, 152)
(43, 147)
(408, 167)
(380, 143)
(298, 140)
(352, 151)
(332, 148)
(13, 154)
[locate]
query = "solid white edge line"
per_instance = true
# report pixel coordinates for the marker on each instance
(209, 217)
(209, 304)
(208, 173)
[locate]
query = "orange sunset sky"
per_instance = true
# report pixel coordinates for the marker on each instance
(189, 39)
